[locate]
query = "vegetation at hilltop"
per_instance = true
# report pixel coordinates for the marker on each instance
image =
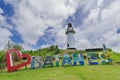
(53, 50)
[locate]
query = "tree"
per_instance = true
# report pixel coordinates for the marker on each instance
(56, 47)
(2, 60)
(8, 46)
(18, 47)
(109, 49)
(51, 48)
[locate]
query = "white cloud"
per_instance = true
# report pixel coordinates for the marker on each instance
(100, 3)
(3, 22)
(45, 46)
(4, 33)
(1, 11)
(100, 26)
(4, 37)
(2, 18)
(33, 17)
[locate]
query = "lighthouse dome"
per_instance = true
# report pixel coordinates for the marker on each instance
(70, 29)
(69, 24)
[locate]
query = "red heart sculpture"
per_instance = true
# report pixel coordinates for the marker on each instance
(10, 65)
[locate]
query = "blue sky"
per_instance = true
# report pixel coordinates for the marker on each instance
(40, 23)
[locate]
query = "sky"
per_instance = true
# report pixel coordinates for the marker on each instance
(36, 24)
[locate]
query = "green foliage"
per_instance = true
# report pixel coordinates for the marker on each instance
(115, 56)
(57, 51)
(2, 56)
(10, 46)
(2, 60)
(18, 47)
(69, 52)
(52, 50)
(109, 49)
(52, 47)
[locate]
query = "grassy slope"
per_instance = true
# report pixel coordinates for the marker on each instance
(87, 72)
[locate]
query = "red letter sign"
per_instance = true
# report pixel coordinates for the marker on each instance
(9, 62)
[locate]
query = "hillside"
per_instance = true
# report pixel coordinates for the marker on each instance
(86, 72)
(53, 50)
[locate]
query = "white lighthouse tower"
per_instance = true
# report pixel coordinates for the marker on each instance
(70, 37)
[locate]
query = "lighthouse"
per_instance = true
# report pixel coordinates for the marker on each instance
(70, 37)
